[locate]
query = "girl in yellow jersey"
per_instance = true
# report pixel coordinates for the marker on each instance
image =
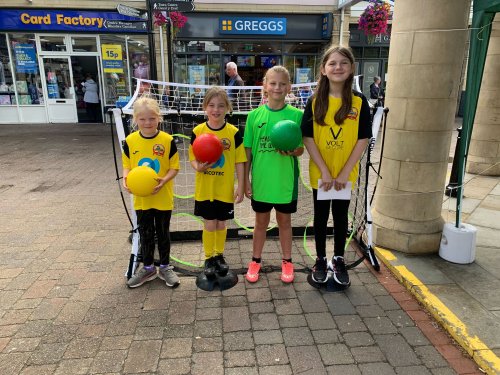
(214, 185)
(336, 127)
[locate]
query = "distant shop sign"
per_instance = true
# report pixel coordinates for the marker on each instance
(252, 25)
(68, 21)
(172, 5)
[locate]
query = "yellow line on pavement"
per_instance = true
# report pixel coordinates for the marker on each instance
(482, 355)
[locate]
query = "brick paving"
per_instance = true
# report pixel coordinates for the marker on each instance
(65, 309)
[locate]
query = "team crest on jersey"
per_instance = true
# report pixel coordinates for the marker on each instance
(226, 143)
(353, 114)
(158, 150)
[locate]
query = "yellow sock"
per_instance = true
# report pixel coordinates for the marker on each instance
(208, 239)
(220, 241)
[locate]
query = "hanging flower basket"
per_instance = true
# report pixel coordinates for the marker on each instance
(178, 20)
(373, 20)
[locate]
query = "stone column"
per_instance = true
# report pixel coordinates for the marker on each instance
(484, 150)
(425, 59)
(336, 27)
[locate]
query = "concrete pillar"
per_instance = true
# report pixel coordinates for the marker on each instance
(345, 29)
(484, 150)
(425, 59)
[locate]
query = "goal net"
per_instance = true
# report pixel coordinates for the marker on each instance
(181, 107)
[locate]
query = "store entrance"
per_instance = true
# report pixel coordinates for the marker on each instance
(82, 68)
(59, 89)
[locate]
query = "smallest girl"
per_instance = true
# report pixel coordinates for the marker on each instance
(156, 149)
(336, 127)
(214, 183)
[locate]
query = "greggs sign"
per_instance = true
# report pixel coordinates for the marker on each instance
(66, 20)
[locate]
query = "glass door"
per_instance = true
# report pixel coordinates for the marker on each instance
(59, 90)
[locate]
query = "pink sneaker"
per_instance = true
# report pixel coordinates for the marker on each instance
(287, 272)
(252, 274)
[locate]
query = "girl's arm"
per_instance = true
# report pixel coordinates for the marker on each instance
(125, 173)
(312, 149)
(297, 152)
(247, 167)
(357, 151)
(171, 173)
(239, 194)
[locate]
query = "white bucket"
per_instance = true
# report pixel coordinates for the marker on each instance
(458, 245)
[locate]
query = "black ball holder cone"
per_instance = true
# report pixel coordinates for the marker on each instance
(330, 286)
(217, 280)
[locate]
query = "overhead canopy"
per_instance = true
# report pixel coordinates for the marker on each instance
(482, 18)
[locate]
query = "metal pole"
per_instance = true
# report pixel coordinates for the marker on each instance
(151, 42)
(452, 187)
(162, 55)
(169, 50)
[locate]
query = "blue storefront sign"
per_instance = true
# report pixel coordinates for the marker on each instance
(25, 58)
(252, 25)
(69, 21)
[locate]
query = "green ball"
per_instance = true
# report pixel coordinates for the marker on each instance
(286, 135)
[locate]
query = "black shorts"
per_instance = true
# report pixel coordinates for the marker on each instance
(284, 208)
(214, 210)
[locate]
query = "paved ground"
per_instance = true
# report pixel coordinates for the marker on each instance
(65, 309)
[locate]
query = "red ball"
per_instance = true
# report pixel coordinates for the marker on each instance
(207, 148)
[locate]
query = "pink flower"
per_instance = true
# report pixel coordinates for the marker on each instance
(373, 20)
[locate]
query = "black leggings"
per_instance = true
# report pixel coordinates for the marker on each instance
(340, 209)
(149, 221)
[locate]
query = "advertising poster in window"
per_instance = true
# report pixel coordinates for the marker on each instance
(112, 60)
(303, 75)
(196, 76)
(25, 54)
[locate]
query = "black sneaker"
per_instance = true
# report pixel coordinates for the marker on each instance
(209, 267)
(220, 265)
(319, 272)
(340, 274)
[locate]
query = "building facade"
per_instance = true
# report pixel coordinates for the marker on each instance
(47, 49)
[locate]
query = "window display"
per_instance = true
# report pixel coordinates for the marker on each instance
(28, 83)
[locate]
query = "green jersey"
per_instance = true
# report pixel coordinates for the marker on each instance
(274, 176)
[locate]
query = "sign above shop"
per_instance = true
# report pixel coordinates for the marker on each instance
(172, 5)
(252, 25)
(126, 25)
(68, 21)
(132, 12)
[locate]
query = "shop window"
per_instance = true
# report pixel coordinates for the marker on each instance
(357, 52)
(53, 43)
(27, 80)
(302, 68)
(310, 48)
(116, 76)
(261, 47)
(7, 94)
(372, 53)
(138, 57)
(83, 44)
(193, 69)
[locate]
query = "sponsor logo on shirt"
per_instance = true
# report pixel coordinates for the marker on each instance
(353, 114)
(336, 142)
(158, 150)
(226, 143)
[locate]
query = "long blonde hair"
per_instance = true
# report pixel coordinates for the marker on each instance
(323, 89)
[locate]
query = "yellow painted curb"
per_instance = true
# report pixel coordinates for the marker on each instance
(480, 353)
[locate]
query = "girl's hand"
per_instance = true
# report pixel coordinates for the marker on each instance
(161, 182)
(340, 182)
(239, 195)
(297, 152)
(124, 184)
(248, 189)
(202, 167)
(326, 181)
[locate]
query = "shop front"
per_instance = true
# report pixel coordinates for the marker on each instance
(255, 42)
(48, 58)
(371, 58)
